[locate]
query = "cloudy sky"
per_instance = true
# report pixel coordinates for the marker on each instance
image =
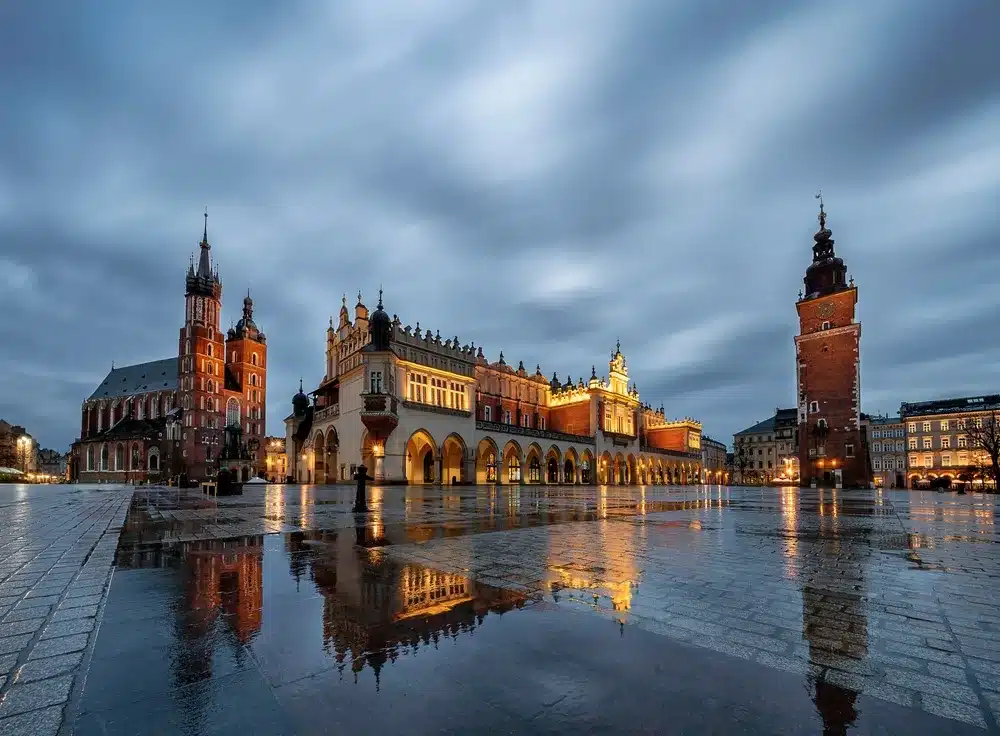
(541, 177)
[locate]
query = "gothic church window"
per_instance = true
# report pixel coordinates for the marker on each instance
(376, 382)
(233, 413)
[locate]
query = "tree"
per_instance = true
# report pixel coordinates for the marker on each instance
(983, 433)
(742, 459)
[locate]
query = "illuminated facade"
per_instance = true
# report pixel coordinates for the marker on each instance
(275, 459)
(832, 450)
(887, 443)
(771, 449)
(713, 461)
(416, 408)
(165, 418)
(939, 451)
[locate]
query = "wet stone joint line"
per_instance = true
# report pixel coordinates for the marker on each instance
(601, 609)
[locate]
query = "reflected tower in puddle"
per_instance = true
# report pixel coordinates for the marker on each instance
(834, 616)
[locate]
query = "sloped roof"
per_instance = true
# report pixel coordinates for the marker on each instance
(141, 378)
(760, 428)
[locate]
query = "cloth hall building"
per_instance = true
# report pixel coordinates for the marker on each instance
(415, 408)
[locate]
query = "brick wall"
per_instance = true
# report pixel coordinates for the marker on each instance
(668, 438)
(571, 419)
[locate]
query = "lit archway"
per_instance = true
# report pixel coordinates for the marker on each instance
(533, 462)
(569, 466)
(452, 459)
(618, 474)
(587, 473)
(153, 461)
(512, 459)
(319, 446)
(631, 471)
(605, 471)
(552, 458)
(421, 455)
(332, 444)
(487, 461)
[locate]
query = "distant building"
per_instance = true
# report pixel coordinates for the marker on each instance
(275, 459)
(18, 449)
(887, 449)
(938, 450)
(832, 448)
(52, 463)
(713, 461)
(771, 447)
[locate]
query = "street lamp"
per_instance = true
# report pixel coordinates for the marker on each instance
(23, 443)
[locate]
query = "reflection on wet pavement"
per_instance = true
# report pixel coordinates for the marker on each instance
(546, 608)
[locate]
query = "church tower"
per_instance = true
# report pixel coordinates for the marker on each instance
(246, 380)
(828, 372)
(201, 367)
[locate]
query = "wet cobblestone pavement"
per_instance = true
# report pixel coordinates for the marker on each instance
(535, 609)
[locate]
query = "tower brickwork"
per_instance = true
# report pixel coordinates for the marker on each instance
(832, 450)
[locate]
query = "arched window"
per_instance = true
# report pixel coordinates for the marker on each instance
(187, 347)
(534, 470)
(253, 379)
(120, 457)
(211, 387)
(514, 469)
(90, 458)
(253, 358)
(154, 460)
(135, 458)
(491, 467)
(210, 349)
(104, 457)
(233, 413)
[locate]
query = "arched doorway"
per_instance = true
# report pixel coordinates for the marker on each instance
(569, 476)
(420, 457)
(511, 463)
(487, 465)
(631, 471)
(319, 446)
(618, 476)
(552, 465)
(452, 459)
(587, 468)
(533, 464)
(332, 444)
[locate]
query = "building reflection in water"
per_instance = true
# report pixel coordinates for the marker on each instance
(834, 616)
(376, 609)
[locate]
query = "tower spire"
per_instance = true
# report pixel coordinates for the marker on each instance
(204, 260)
(204, 236)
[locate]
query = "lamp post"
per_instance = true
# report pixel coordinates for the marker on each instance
(23, 443)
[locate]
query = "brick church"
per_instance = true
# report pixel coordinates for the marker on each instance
(166, 418)
(832, 446)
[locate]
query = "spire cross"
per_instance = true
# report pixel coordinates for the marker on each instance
(380, 296)
(204, 237)
(822, 213)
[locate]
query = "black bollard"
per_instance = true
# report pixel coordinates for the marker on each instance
(360, 502)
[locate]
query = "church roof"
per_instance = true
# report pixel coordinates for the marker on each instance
(141, 378)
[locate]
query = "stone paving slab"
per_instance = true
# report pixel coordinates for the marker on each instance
(56, 542)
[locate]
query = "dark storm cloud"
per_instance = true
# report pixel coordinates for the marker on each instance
(541, 178)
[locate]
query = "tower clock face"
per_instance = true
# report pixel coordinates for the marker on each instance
(825, 310)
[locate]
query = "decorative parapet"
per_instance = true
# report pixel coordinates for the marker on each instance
(529, 432)
(327, 412)
(676, 454)
(434, 409)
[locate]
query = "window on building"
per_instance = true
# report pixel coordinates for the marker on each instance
(944, 425)
(945, 442)
(760, 465)
(876, 447)
(849, 450)
(926, 426)
(253, 358)
(963, 440)
(945, 459)
(977, 422)
(375, 382)
(232, 413)
(534, 469)
(770, 465)
(899, 446)
(900, 463)
(926, 443)
(486, 413)
(541, 422)
(913, 461)
(877, 464)
(513, 468)
(826, 325)
(210, 350)
(912, 443)
(911, 427)
(506, 416)
(928, 461)
(963, 458)
(813, 407)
